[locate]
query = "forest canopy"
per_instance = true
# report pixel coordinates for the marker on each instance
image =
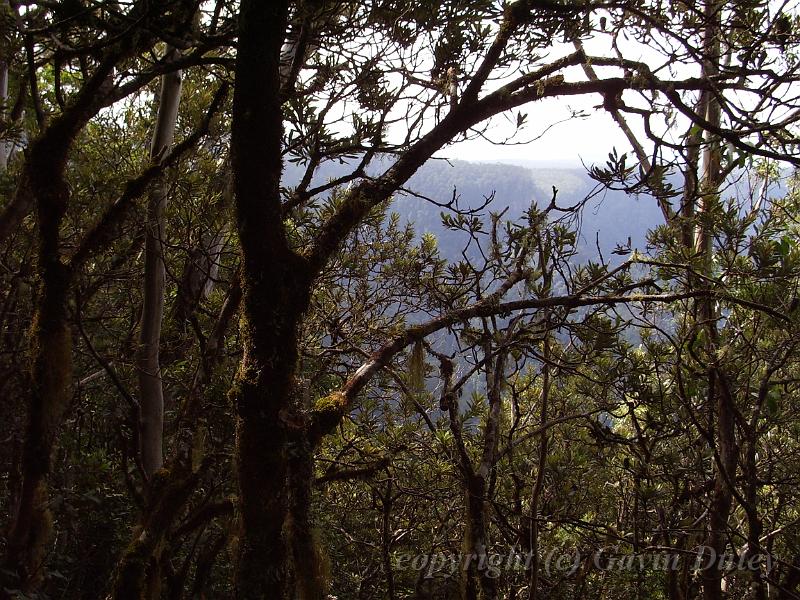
(259, 342)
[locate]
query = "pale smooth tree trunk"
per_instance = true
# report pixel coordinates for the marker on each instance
(151, 394)
(5, 145)
(701, 196)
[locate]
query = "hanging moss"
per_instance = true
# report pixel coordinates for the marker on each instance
(416, 368)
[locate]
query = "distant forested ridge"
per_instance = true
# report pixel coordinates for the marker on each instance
(610, 217)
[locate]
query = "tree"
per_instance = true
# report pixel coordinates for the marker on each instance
(271, 430)
(381, 88)
(43, 185)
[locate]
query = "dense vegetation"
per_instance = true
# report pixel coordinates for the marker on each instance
(260, 341)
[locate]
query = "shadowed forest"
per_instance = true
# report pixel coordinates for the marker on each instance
(266, 336)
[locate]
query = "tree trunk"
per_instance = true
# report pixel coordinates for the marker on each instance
(721, 499)
(479, 579)
(151, 400)
(199, 275)
(51, 353)
(309, 565)
(788, 585)
(5, 145)
(43, 185)
(138, 574)
(719, 392)
(275, 293)
(755, 526)
(533, 545)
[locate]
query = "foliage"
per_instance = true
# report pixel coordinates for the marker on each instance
(422, 362)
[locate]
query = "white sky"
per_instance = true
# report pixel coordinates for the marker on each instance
(556, 138)
(588, 139)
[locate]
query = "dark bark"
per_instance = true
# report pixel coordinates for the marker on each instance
(138, 574)
(50, 339)
(788, 585)
(43, 185)
(721, 404)
(478, 579)
(309, 566)
(51, 343)
(275, 292)
(755, 526)
(205, 564)
(477, 583)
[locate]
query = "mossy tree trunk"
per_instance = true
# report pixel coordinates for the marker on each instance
(44, 183)
(51, 355)
(138, 574)
(275, 294)
(478, 579)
